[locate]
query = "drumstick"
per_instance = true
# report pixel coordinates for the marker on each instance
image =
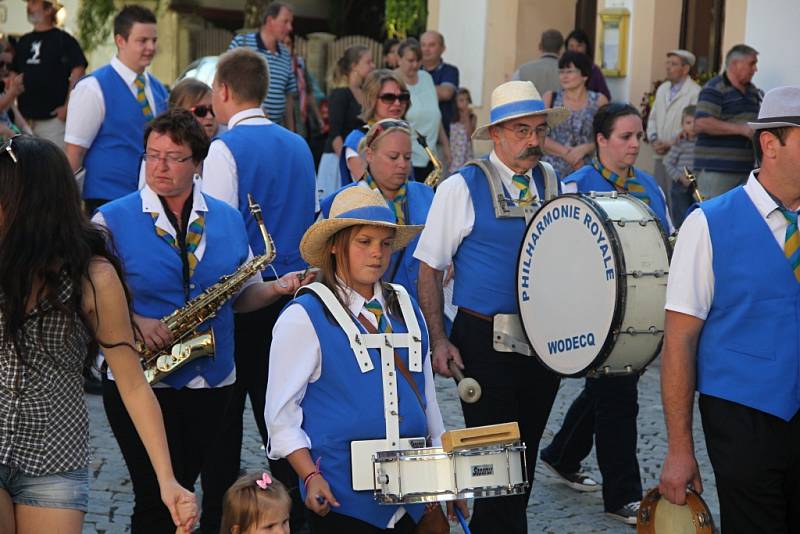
(468, 388)
(461, 520)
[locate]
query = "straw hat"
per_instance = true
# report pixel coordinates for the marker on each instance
(354, 206)
(779, 108)
(513, 100)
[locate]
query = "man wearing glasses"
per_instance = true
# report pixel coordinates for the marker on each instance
(462, 229)
(108, 112)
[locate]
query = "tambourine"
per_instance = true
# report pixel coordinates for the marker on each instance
(659, 516)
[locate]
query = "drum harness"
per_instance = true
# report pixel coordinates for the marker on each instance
(508, 335)
(361, 452)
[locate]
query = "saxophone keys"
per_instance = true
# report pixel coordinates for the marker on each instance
(165, 362)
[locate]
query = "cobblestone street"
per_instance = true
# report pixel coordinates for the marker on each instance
(553, 508)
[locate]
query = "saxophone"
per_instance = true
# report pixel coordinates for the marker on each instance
(188, 343)
(434, 178)
(694, 188)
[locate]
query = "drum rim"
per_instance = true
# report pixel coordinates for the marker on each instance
(616, 318)
(652, 497)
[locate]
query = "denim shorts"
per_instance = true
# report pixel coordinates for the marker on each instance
(68, 489)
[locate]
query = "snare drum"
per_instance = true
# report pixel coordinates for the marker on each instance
(659, 516)
(591, 284)
(429, 475)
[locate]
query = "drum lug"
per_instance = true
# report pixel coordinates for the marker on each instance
(644, 515)
(658, 273)
(703, 519)
(383, 479)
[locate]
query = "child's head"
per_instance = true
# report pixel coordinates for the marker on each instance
(463, 99)
(687, 120)
(256, 504)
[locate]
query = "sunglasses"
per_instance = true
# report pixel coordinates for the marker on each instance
(6, 148)
(202, 111)
(391, 98)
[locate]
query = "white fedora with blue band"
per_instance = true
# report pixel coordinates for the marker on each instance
(354, 206)
(513, 100)
(779, 108)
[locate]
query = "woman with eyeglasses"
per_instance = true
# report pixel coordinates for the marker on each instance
(62, 296)
(385, 97)
(424, 115)
(175, 242)
(570, 145)
(386, 150)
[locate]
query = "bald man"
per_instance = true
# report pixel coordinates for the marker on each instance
(445, 75)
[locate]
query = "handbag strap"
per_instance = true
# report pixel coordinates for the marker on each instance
(398, 362)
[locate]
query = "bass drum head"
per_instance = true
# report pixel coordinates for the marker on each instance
(567, 284)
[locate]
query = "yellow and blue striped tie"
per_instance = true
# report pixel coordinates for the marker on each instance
(523, 183)
(377, 310)
(141, 97)
(791, 242)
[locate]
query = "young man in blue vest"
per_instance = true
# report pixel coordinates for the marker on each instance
(256, 156)
(732, 333)
(109, 109)
(462, 229)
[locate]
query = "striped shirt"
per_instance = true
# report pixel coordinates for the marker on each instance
(720, 100)
(282, 80)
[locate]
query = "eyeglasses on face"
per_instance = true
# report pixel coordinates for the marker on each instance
(522, 131)
(391, 98)
(202, 111)
(170, 159)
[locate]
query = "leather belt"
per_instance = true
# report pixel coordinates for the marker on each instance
(476, 314)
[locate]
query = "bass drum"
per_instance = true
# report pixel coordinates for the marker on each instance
(591, 284)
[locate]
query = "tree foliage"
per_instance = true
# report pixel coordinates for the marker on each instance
(405, 17)
(94, 22)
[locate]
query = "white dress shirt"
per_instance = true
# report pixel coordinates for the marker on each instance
(152, 204)
(86, 109)
(690, 286)
(572, 187)
(300, 364)
(452, 216)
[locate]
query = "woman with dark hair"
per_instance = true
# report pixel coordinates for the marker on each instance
(578, 41)
(385, 97)
(390, 53)
(607, 407)
(570, 145)
(62, 296)
(344, 109)
(175, 242)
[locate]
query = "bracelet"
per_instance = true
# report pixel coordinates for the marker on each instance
(308, 478)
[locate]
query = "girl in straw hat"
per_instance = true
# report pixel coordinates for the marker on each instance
(386, 148)
(329, 394)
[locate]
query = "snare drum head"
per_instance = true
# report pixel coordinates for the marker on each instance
(567, 283)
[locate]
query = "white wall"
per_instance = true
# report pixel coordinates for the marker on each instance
(465, 40)
(771, 28)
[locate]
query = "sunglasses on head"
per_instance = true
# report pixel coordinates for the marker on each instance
(202, 111)
(390, 98)
(6, 148)
(383, 126)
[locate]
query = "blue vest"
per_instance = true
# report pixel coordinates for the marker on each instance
(351, 141)
(748, 351)
(588, 179)
(112, 162)
(345, 405)
(486, 260)
(276, 167)
(154, 273)
(418, 203)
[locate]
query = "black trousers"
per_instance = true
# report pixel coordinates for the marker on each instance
(334, 523)
(604, 412)
(253, 337)
(515, 388)
(420, 173)
(192, 418)
(756, 460)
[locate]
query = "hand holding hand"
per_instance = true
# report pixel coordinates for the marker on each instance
(182, 505)
(319, 497)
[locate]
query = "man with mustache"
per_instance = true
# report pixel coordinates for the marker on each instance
(109, 109)
(463, 229)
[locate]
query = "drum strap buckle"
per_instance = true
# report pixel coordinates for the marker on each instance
(508, 335)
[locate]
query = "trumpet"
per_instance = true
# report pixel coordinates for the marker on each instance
(435, 177)
(693, 187)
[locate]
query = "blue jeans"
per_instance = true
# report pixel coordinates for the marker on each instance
(68, 489)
